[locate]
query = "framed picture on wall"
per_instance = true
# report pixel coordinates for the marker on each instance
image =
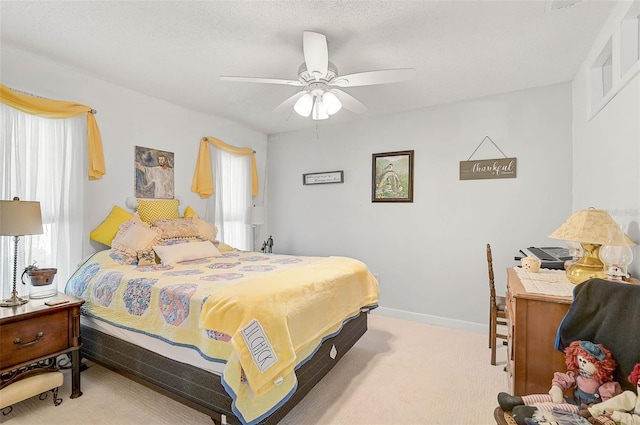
(154, 173)
(392, 179)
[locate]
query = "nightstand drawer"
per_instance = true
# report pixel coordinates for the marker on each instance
(33, 338)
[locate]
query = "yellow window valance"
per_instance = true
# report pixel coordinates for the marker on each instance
(57, 109)
(203, 175)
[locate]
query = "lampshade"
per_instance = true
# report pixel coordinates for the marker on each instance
(615, 253)
(304, 105)
(18, 218)
(131, 202)
(586, 226)
(589, 228)
(331, 103)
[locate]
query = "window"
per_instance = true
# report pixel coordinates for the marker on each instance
(618, 61)
(229, 206)
(629, 43)
(601, 75)
(43, 160)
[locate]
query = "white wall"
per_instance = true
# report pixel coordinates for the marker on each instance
(127, 119)
(429, 254)
(606, 146)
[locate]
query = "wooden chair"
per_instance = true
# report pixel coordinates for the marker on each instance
(497, 310)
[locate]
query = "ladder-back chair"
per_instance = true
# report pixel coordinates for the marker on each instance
(497, 310)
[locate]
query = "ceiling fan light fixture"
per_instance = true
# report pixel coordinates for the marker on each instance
(319, 111)
(331, 103)
(304, 105)
(321, 95)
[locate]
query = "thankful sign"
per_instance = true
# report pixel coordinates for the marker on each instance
(500, 168)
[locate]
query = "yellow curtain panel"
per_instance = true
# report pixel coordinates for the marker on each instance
(203, 176)
(57, 109)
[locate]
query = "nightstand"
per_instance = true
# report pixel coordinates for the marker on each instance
(34, 334)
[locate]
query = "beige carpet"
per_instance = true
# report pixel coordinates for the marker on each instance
(400, 372)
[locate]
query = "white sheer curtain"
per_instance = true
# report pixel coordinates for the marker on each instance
(228, 207)
(43, 160)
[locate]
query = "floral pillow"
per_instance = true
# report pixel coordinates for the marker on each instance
(146, 257)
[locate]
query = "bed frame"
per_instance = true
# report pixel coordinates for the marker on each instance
(202, 390)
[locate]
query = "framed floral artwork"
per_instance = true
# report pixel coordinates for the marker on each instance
(392, 179)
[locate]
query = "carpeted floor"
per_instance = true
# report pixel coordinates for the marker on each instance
(400, 372)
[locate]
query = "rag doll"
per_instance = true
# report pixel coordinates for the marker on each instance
(589, 373)
(623, 409)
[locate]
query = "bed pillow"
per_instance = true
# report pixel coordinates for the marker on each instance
(135, 236)
(176, 227)
(170, 254)
(155, 209)
(223, 247)
(205, 229)
(189, 212)
(107, 230)
(146, 257)
(175, 241)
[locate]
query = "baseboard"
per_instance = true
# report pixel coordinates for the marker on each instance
(432, 320)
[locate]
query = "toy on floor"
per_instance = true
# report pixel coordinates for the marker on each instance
(623, 409)
(589, 372)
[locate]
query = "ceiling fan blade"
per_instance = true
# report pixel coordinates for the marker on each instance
(296, 83)
(370, 78)
(350, 102)
(316, 53)
(289, 102)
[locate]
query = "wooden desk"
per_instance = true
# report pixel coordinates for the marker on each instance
(533, 321)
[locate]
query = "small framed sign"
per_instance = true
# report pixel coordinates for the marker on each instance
(323, 178)
(485, 169)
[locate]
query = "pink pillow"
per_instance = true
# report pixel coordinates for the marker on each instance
(135, 236)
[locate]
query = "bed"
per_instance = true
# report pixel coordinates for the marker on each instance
(240, 336)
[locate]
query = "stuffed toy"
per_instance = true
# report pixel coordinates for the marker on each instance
(623, 409)
(589, 373)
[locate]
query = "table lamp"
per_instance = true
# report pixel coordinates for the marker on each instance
(589, 228)
(18, 218)
(616, 254)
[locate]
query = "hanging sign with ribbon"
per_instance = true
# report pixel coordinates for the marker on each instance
(499, 168)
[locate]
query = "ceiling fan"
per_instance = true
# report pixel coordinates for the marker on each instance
(321, 94)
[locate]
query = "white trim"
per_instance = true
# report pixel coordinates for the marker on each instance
(432, 320)
(611, 43)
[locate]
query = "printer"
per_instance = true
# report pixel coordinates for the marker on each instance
(550, 257)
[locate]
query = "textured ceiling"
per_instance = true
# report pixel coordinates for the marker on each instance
(176, 50)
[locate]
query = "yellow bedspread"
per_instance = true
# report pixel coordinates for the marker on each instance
(261, 315)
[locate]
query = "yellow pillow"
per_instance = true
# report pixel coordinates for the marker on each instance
(108, 229)
(188, 212)
(223, 247)
(155, 209)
